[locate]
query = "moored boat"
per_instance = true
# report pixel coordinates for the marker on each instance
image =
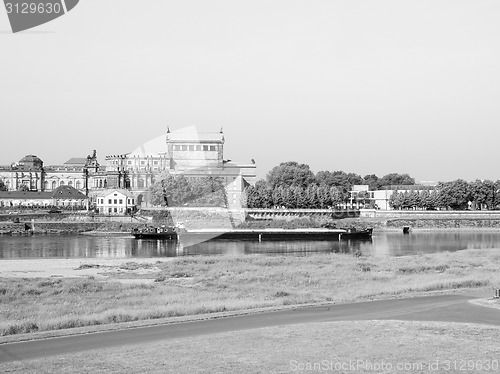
(162, 232)
(353, 233)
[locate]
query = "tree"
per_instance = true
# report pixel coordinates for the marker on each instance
(396, 179)
(372, 180)
(336, 196)
(455, 194)
(413, 200)
(324, 198)
(396, 200)
(278, 196)
(424, 197)
(483, 194)
(177, 190)
(290, 173)
(208, 191)
(311, 197)
(340, 179)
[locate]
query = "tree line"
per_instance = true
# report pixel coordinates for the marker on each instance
(454, 195)
(178, 190)
(294, 186)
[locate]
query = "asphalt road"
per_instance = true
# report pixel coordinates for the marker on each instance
(447, 308)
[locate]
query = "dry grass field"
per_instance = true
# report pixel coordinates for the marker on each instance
(137, 291)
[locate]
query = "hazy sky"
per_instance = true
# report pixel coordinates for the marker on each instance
(361, 86)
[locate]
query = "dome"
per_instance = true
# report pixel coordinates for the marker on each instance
(31, 161)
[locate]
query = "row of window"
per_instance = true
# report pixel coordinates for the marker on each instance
(53, 185)
(194, 147)
(115, 201)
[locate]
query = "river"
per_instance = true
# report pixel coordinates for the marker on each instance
(382, 244)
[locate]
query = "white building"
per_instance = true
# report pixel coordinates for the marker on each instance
(114, 201)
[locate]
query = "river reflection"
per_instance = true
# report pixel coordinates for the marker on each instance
(382, 244)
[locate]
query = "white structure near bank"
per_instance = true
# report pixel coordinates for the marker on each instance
(116, 201)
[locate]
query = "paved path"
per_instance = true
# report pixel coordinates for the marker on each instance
(448, 308)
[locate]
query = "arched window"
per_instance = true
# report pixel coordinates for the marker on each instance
(54, 185)
(61, 183)
(70, 183)
(46, 185)
(78, 185)
(141, 183)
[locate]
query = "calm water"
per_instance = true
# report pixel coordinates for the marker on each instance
(392, 244)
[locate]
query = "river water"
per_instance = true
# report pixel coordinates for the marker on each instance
(382, 244)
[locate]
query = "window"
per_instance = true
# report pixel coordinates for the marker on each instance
(205, 147)
(109, 201)
(198, 147)
(142, 162)
(212, 147)
(191, 147)
(155, 163)
(115, 210)
(114, 201)
(78, 185)
(184, 147)
(120, 201)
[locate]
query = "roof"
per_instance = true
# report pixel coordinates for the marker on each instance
(106, 193)
(30, 158)
(76, 161)
(38, 195)
(195, 137)
(67, 192)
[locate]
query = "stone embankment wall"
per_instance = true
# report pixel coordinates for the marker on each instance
(433, 219)
(444, 223)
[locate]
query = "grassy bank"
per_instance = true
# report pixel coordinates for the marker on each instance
(340, 347)
(190, 286)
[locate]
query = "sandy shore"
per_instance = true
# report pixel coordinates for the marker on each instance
(76, 268)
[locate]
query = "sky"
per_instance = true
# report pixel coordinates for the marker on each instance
(373, 86)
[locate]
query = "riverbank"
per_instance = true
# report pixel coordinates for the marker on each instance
(96, 292)
(192, 219)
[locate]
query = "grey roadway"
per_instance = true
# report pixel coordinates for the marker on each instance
(449, 308)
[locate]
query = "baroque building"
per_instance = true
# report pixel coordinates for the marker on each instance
(29, 174)
(191, 154)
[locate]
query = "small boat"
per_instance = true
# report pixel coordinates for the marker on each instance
(162, 232)
(352, 233)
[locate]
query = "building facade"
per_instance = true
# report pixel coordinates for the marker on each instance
(62, 197)
(190, 154)
(114, 201)
(30, 174)
(362, 197)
